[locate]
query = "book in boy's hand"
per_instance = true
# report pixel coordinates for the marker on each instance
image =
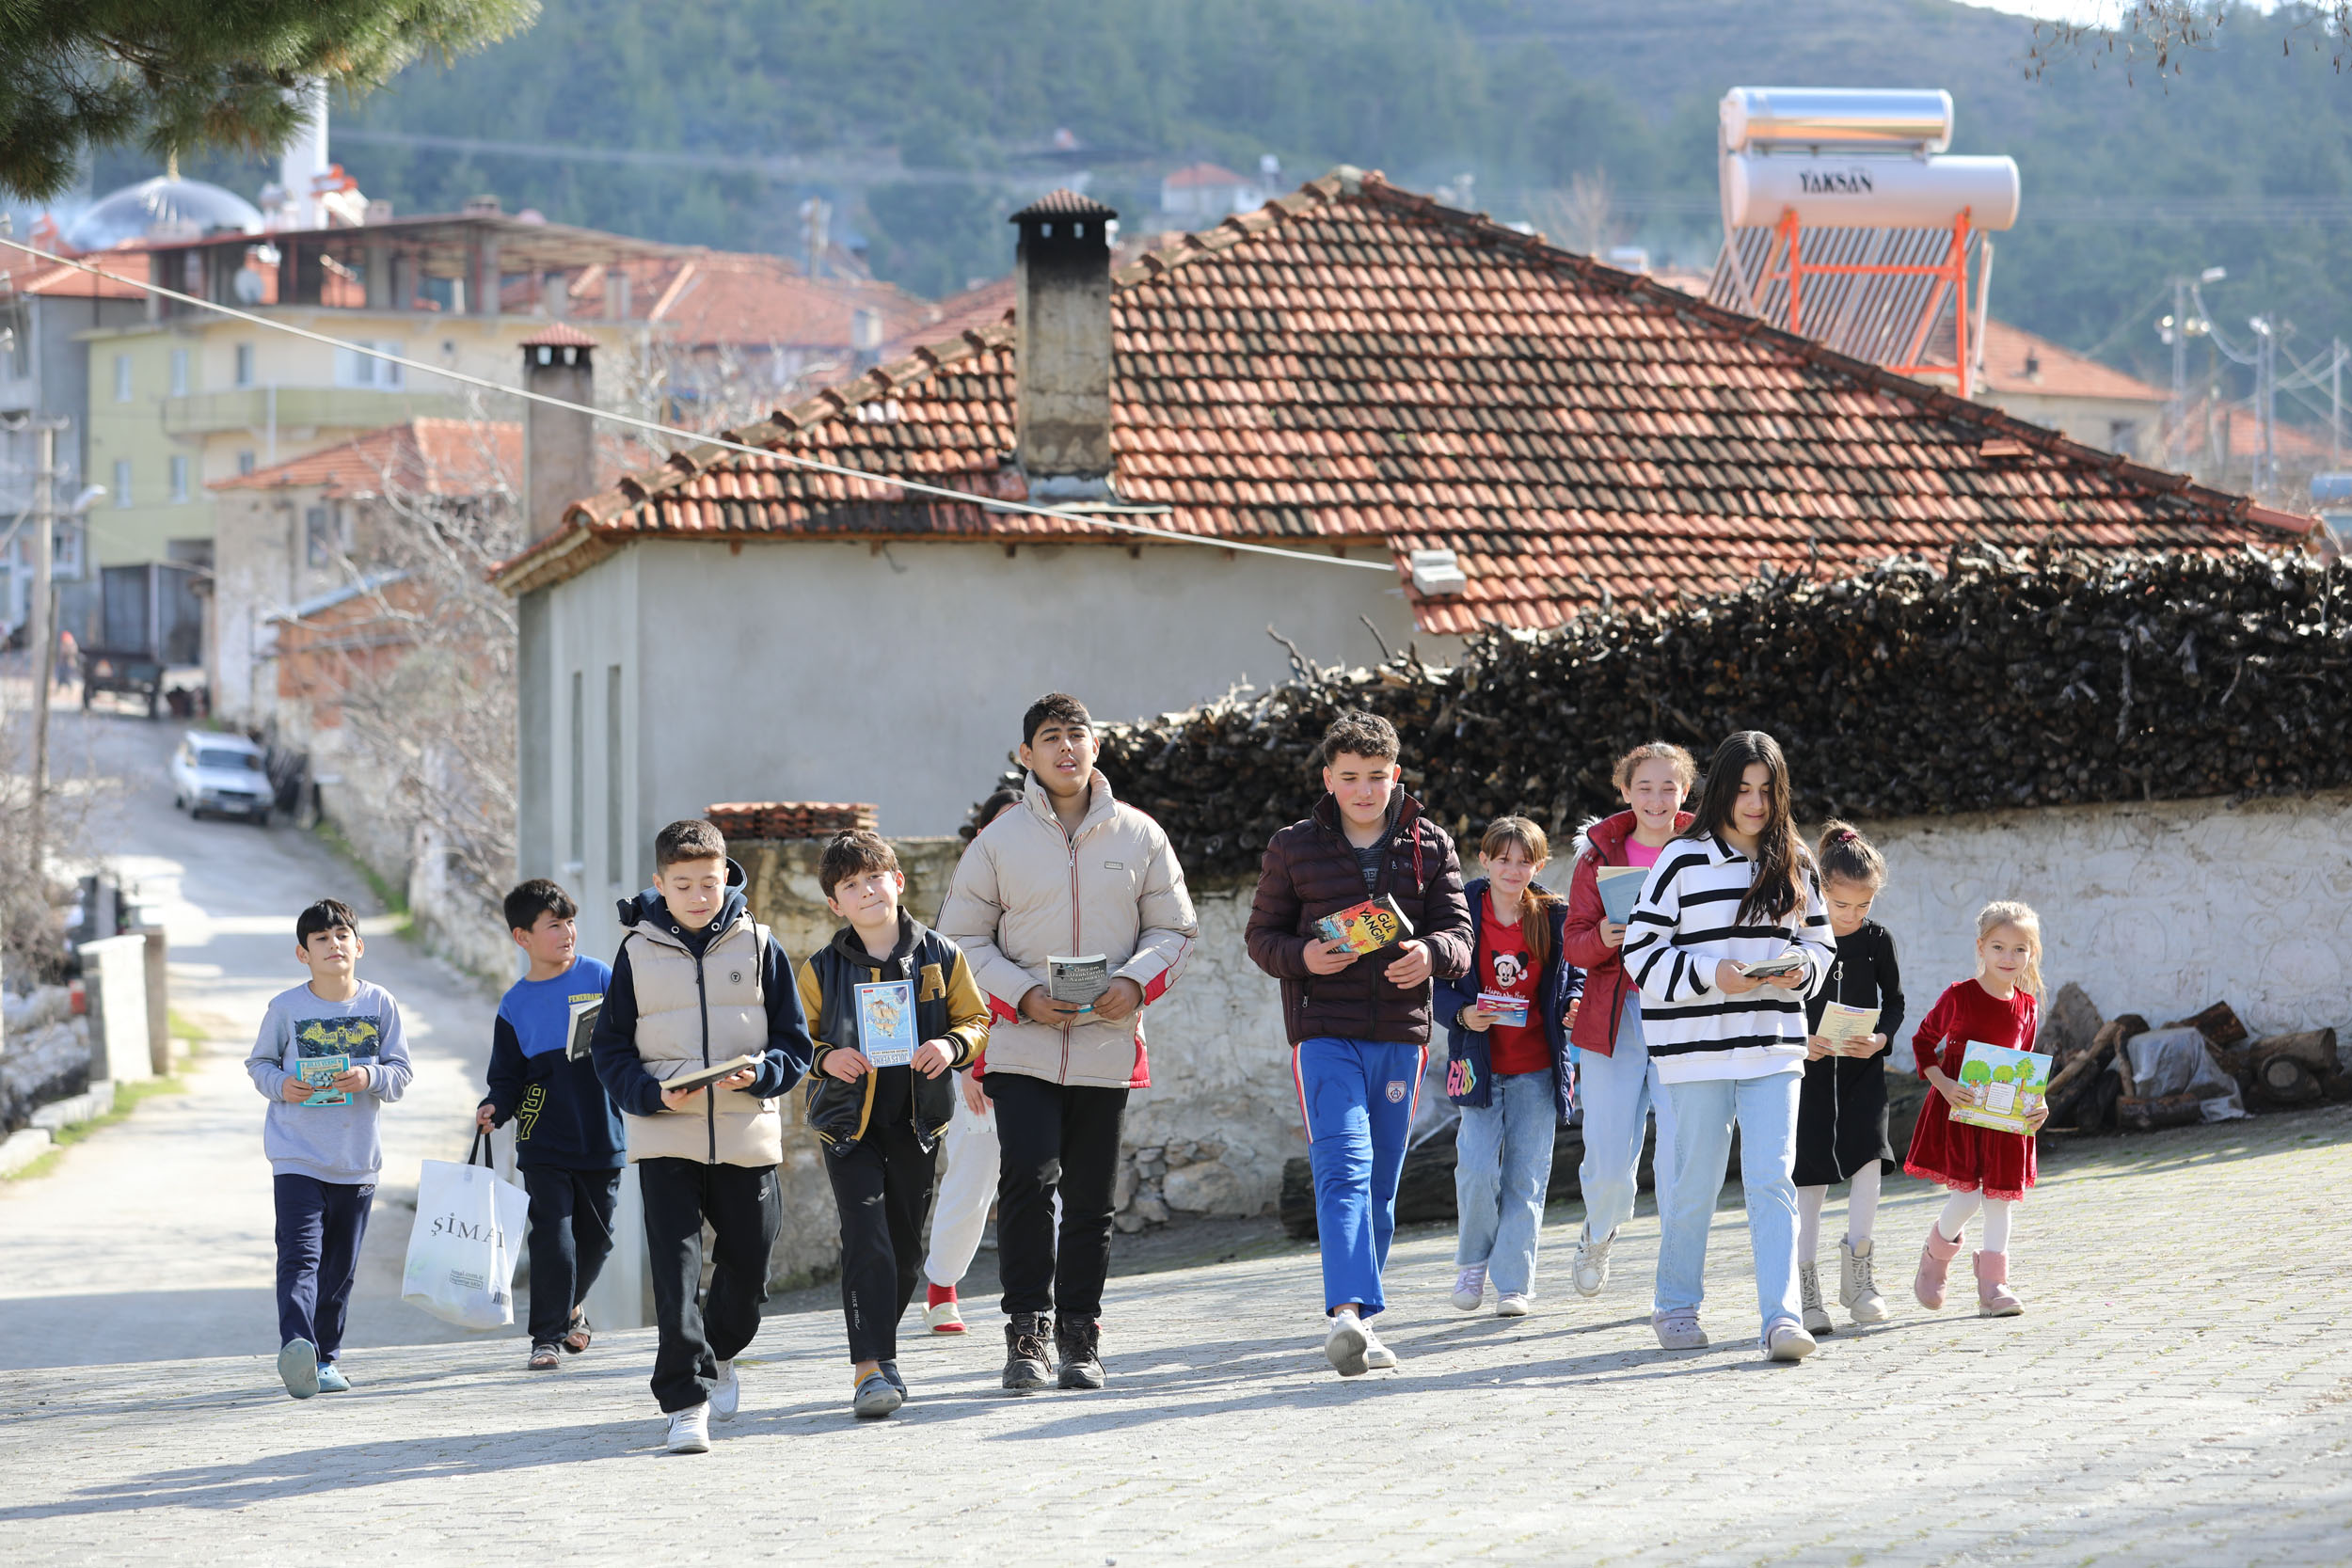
(322, 1070)
(886, 1022)
(1999, 1087)
(703, 1077)
(584, 1016)
(1791, 962)
(1078, 979)
(1366, 927)
(1510, 1011)
(1620, 890)
(1846, 1028)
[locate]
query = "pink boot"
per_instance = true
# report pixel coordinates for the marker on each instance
(1994, 1299)
(1935, 1263)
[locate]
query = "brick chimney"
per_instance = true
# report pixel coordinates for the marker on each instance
(558, 445)
(1063, 335)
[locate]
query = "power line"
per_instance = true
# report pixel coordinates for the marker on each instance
(1086, 519)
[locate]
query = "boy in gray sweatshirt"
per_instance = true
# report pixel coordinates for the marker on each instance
(328, 1054)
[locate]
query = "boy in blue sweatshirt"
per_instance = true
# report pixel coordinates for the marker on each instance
(321, 1135)
(567, 1135)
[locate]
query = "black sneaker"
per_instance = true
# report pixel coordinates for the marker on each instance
(1079, 1339)
(1026, 1368)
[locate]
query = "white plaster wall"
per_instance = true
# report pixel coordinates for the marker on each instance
(592, 625)
(2157, 910)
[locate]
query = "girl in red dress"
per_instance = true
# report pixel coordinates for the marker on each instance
(1984, 1168)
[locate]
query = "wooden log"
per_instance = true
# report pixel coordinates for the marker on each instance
(2218, 1023)
(2085, 1066)
(2135, 1115)
(2314, 1048)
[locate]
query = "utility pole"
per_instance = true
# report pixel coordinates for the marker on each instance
(44, 642)
(2335, 404)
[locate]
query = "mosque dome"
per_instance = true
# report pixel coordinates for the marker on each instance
(164, 208)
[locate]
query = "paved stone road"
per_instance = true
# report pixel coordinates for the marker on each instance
(2180, 1393)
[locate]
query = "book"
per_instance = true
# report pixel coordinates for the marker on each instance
(1079, 980)
(1620, 890)
(1791, 962)
(1366, 927)
(1999, 1087)
(1843, 1026)
(696, 1078)
(1507, 1008)
(584, 1016)
(324, 1070)
(886, 1022)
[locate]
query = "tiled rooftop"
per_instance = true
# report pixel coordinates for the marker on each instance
(2016, 360)
(429, 456)
(1353, 363)
(790, 819)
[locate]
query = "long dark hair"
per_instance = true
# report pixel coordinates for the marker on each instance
(1771, 894)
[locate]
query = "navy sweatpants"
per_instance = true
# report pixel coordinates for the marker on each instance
(320, 1226)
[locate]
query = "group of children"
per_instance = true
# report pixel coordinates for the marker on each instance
(1544, 1001)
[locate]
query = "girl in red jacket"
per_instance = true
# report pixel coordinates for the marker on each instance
(1614, 1083)
(1984, 1168)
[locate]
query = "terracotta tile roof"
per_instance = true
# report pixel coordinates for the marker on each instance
(1353, 363)
(73, 283)
(2016, 360)
(1064, 203)
(987, 303)
(438, 457)
(560, 335)
(1196, 175)
(2232, 429)
(790, 819)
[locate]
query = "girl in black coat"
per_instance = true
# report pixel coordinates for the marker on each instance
(1841, 1111)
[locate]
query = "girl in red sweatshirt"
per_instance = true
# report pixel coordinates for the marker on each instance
(1983, 1167)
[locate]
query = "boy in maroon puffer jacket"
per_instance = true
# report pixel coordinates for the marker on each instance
(1358, 1024)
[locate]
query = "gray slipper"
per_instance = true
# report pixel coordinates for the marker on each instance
(298, 1366)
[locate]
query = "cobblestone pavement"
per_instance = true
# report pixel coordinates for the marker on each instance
(2179, 1393)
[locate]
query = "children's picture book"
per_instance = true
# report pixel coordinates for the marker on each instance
(1366, 927)
(1079, 980)
(584, 1016)
(886, 1022)
(1999, 1087)
(1508, 1009)
(1620, 890)
(1791, 962)
(324, 1070)
(1844, 1027)
(698, 1077)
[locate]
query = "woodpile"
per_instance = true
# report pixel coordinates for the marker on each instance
(1986, 681)
(2092, 1090)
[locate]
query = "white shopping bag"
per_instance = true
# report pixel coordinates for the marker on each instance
(461, 1255)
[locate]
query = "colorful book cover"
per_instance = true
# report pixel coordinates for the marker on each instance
(886, 1022)
(1366, 927)
(1842, 1025)
(1999, 1087)
(1620, 890)
(324, 1070)
(1508, 1009)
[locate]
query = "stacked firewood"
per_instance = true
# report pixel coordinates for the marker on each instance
(2092, 1089)
(1984, 681)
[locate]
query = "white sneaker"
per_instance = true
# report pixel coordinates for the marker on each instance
(727, 1393)
(1591, 1264)
(1856, 1290)
(1788, 1342)
(1377, 1357)
(1470, 1288)
(1679, 1329)
(1809, 1300)
(1346, 1343)
(689, 1429)
(1513, 1303)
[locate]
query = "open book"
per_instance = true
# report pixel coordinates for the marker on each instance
(1078, 979)
(1791, 962)
(1999, 1087)
(1844, 1027)
(700, 1077)
(886, 1022)
(1620, 890)
(1366, 927)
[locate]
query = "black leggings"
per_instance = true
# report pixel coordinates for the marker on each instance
(1055, 1136)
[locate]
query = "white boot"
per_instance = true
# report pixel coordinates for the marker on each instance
(1809, 1299)
(1856, 1291)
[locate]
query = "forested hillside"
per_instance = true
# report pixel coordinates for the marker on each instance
(924, 121)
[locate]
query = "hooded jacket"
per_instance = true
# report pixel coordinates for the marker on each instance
(1560, 984)
(1025, 892)
(947, 1006)
(680, 1000)
(1607, 987)
(1309, 871)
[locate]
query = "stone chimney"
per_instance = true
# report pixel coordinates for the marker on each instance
(1063, 335)
(558, 445)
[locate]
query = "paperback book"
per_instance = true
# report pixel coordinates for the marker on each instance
(1508, 1009)
(1844, 1027)
(1999, 1087)
(1620, 890)
(1791, 962)
(886, 1022)
(1079, 980)
(584, 1016)
(702, 1077)
(1366, 927)
(324, 1070)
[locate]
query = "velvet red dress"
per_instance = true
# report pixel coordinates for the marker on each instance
(1963, 1158)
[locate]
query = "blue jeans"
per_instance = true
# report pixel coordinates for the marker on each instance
(1619, 1094)
(1501, 1169)
(1765, 1110)
(1358, 1096)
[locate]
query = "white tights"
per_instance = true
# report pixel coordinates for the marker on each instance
(1963, 1207)
(1862, 1212)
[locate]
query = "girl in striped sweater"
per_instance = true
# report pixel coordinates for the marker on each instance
(1736, 889)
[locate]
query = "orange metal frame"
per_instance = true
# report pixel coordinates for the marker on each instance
(1952, 275)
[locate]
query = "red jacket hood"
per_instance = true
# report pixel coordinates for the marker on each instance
(1606, 835)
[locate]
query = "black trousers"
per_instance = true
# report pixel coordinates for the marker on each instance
(571, 1236)
(883, 1188)
(1055, 1136)
(697, 1330)
(320, 1227)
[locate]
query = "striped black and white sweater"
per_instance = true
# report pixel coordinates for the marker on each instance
(1684, 925)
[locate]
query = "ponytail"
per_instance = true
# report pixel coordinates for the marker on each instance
(1535, 901)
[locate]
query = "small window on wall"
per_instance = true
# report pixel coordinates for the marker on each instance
(245, 462)
(123, 483)
(122, 378)
(613, 773)
(354, 369)
(244, 364)
(179, 481)
(318, 536)
(580, 778)
(178, 372)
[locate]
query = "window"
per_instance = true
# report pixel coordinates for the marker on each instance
(179, 481)
(319, 535)
(245, 462)
(580, 778)
(612, 775)
(178, 372)
(244, 364)
(122, 378)
(123, 477)
(2124, 436)
(354, 369)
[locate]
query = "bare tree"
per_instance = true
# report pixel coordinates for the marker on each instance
(1580, 219)
(2158, 36)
